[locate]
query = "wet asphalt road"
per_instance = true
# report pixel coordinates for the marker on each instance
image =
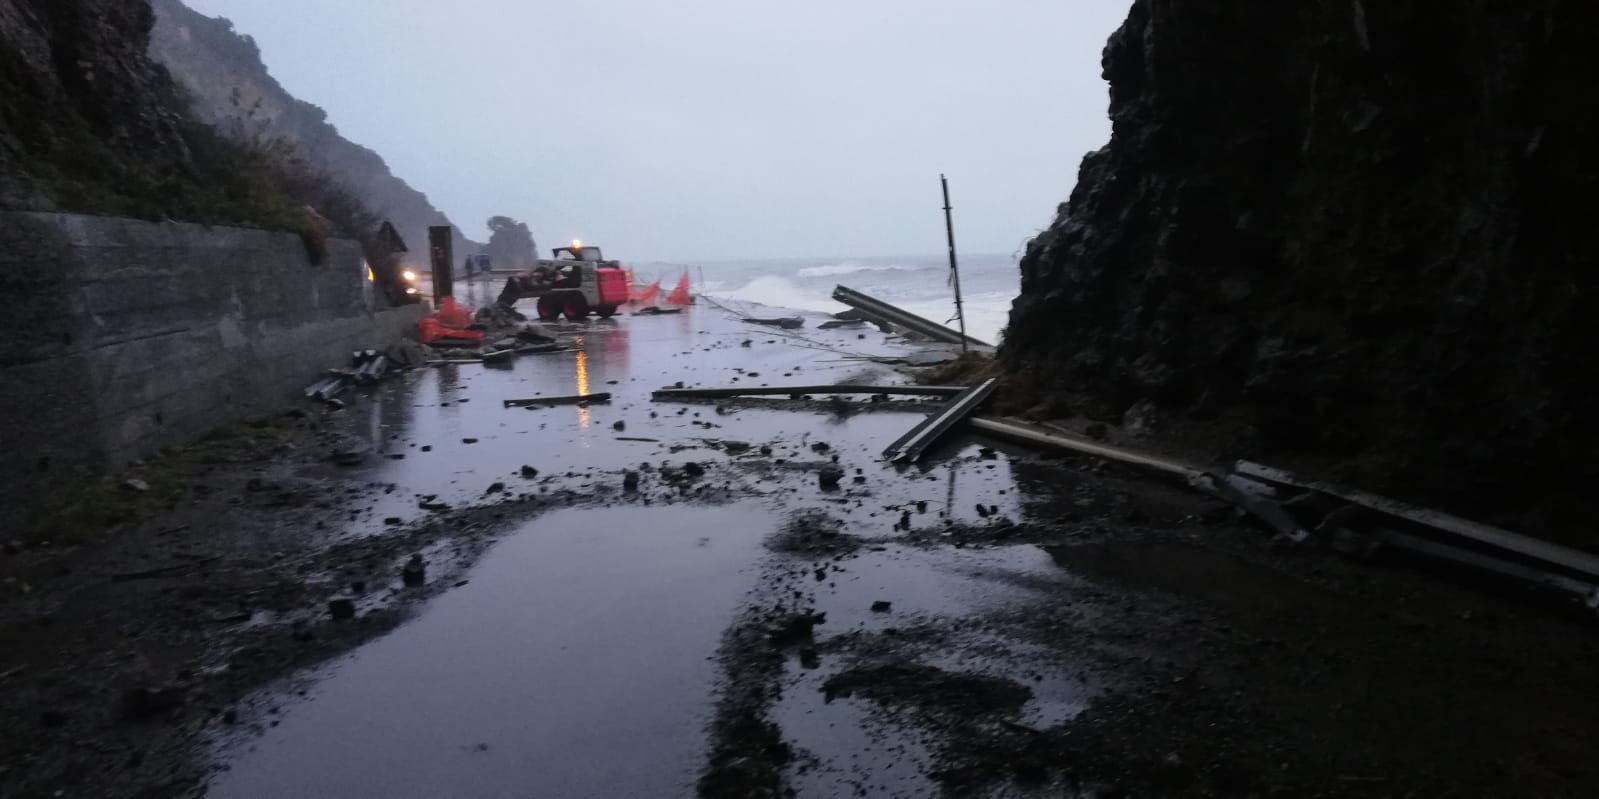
(577, 660)
(572, 664)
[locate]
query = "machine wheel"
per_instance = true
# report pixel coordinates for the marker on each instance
(549, 308)
(576, 306)
(605, 311)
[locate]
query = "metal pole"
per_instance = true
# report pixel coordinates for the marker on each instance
(441, 241)
(954, 268)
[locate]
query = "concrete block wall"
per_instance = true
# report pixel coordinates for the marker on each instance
(125, 336)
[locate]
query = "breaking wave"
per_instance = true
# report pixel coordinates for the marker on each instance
(778, 292)
(987, 313)
(848, 268)
(915, 284)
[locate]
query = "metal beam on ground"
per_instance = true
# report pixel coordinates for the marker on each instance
(909, 447)
(843, 388)
(878, 311)
(785, 322)
(1031, 435)
(316, 389)
(1481, 535)
(1587, 591)
(1232, 489)
(1467, 542)
(576, 399)
(1247, 495)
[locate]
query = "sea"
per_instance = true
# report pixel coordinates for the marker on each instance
(919, 284)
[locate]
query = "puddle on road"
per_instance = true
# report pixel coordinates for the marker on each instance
(574, 664)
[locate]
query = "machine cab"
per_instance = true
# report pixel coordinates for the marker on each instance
(578, 252)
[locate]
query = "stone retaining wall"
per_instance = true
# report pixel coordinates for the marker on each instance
(126, 336)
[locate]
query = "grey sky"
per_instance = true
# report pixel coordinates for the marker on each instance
(676, 129)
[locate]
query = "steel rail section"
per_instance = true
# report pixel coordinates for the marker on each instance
(909, 447)
(843, 388)
(1481, 534)
(882, 311)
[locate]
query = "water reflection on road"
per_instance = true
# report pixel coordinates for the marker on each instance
(577, 660)
(572, 665)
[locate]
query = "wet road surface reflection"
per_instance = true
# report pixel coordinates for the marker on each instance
(444, 431)
(573, 664)
(579, 661)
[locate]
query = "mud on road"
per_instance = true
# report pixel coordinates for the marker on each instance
(669, 601)
(1180, 654)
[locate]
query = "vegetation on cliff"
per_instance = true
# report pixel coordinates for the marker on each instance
(87, 123)
(90, 124)
(229, 86)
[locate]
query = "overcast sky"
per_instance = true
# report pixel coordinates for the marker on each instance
(681, 129)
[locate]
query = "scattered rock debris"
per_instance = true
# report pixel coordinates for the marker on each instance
(794, 628)
(414, 573)
(144, 702)
(341, 608)
(748, 754)
(814, 534)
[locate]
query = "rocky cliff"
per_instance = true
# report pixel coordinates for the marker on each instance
(230, 87)
(78, 98)
(90, 123)
(1366, 228)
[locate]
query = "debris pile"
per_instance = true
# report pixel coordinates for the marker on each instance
(447, 326)
(366, 368)
(495, 334)
(785, 322)
(495, 315)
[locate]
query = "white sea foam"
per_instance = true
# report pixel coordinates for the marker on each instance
(916, 284)
(986, 314)
(850, 268)
(779, 292)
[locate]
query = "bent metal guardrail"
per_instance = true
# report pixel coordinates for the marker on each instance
(881, 311)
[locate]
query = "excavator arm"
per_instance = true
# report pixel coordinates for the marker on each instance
(537, 282)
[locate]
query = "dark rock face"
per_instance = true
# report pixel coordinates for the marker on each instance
(75, 85)
(1369, 224)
